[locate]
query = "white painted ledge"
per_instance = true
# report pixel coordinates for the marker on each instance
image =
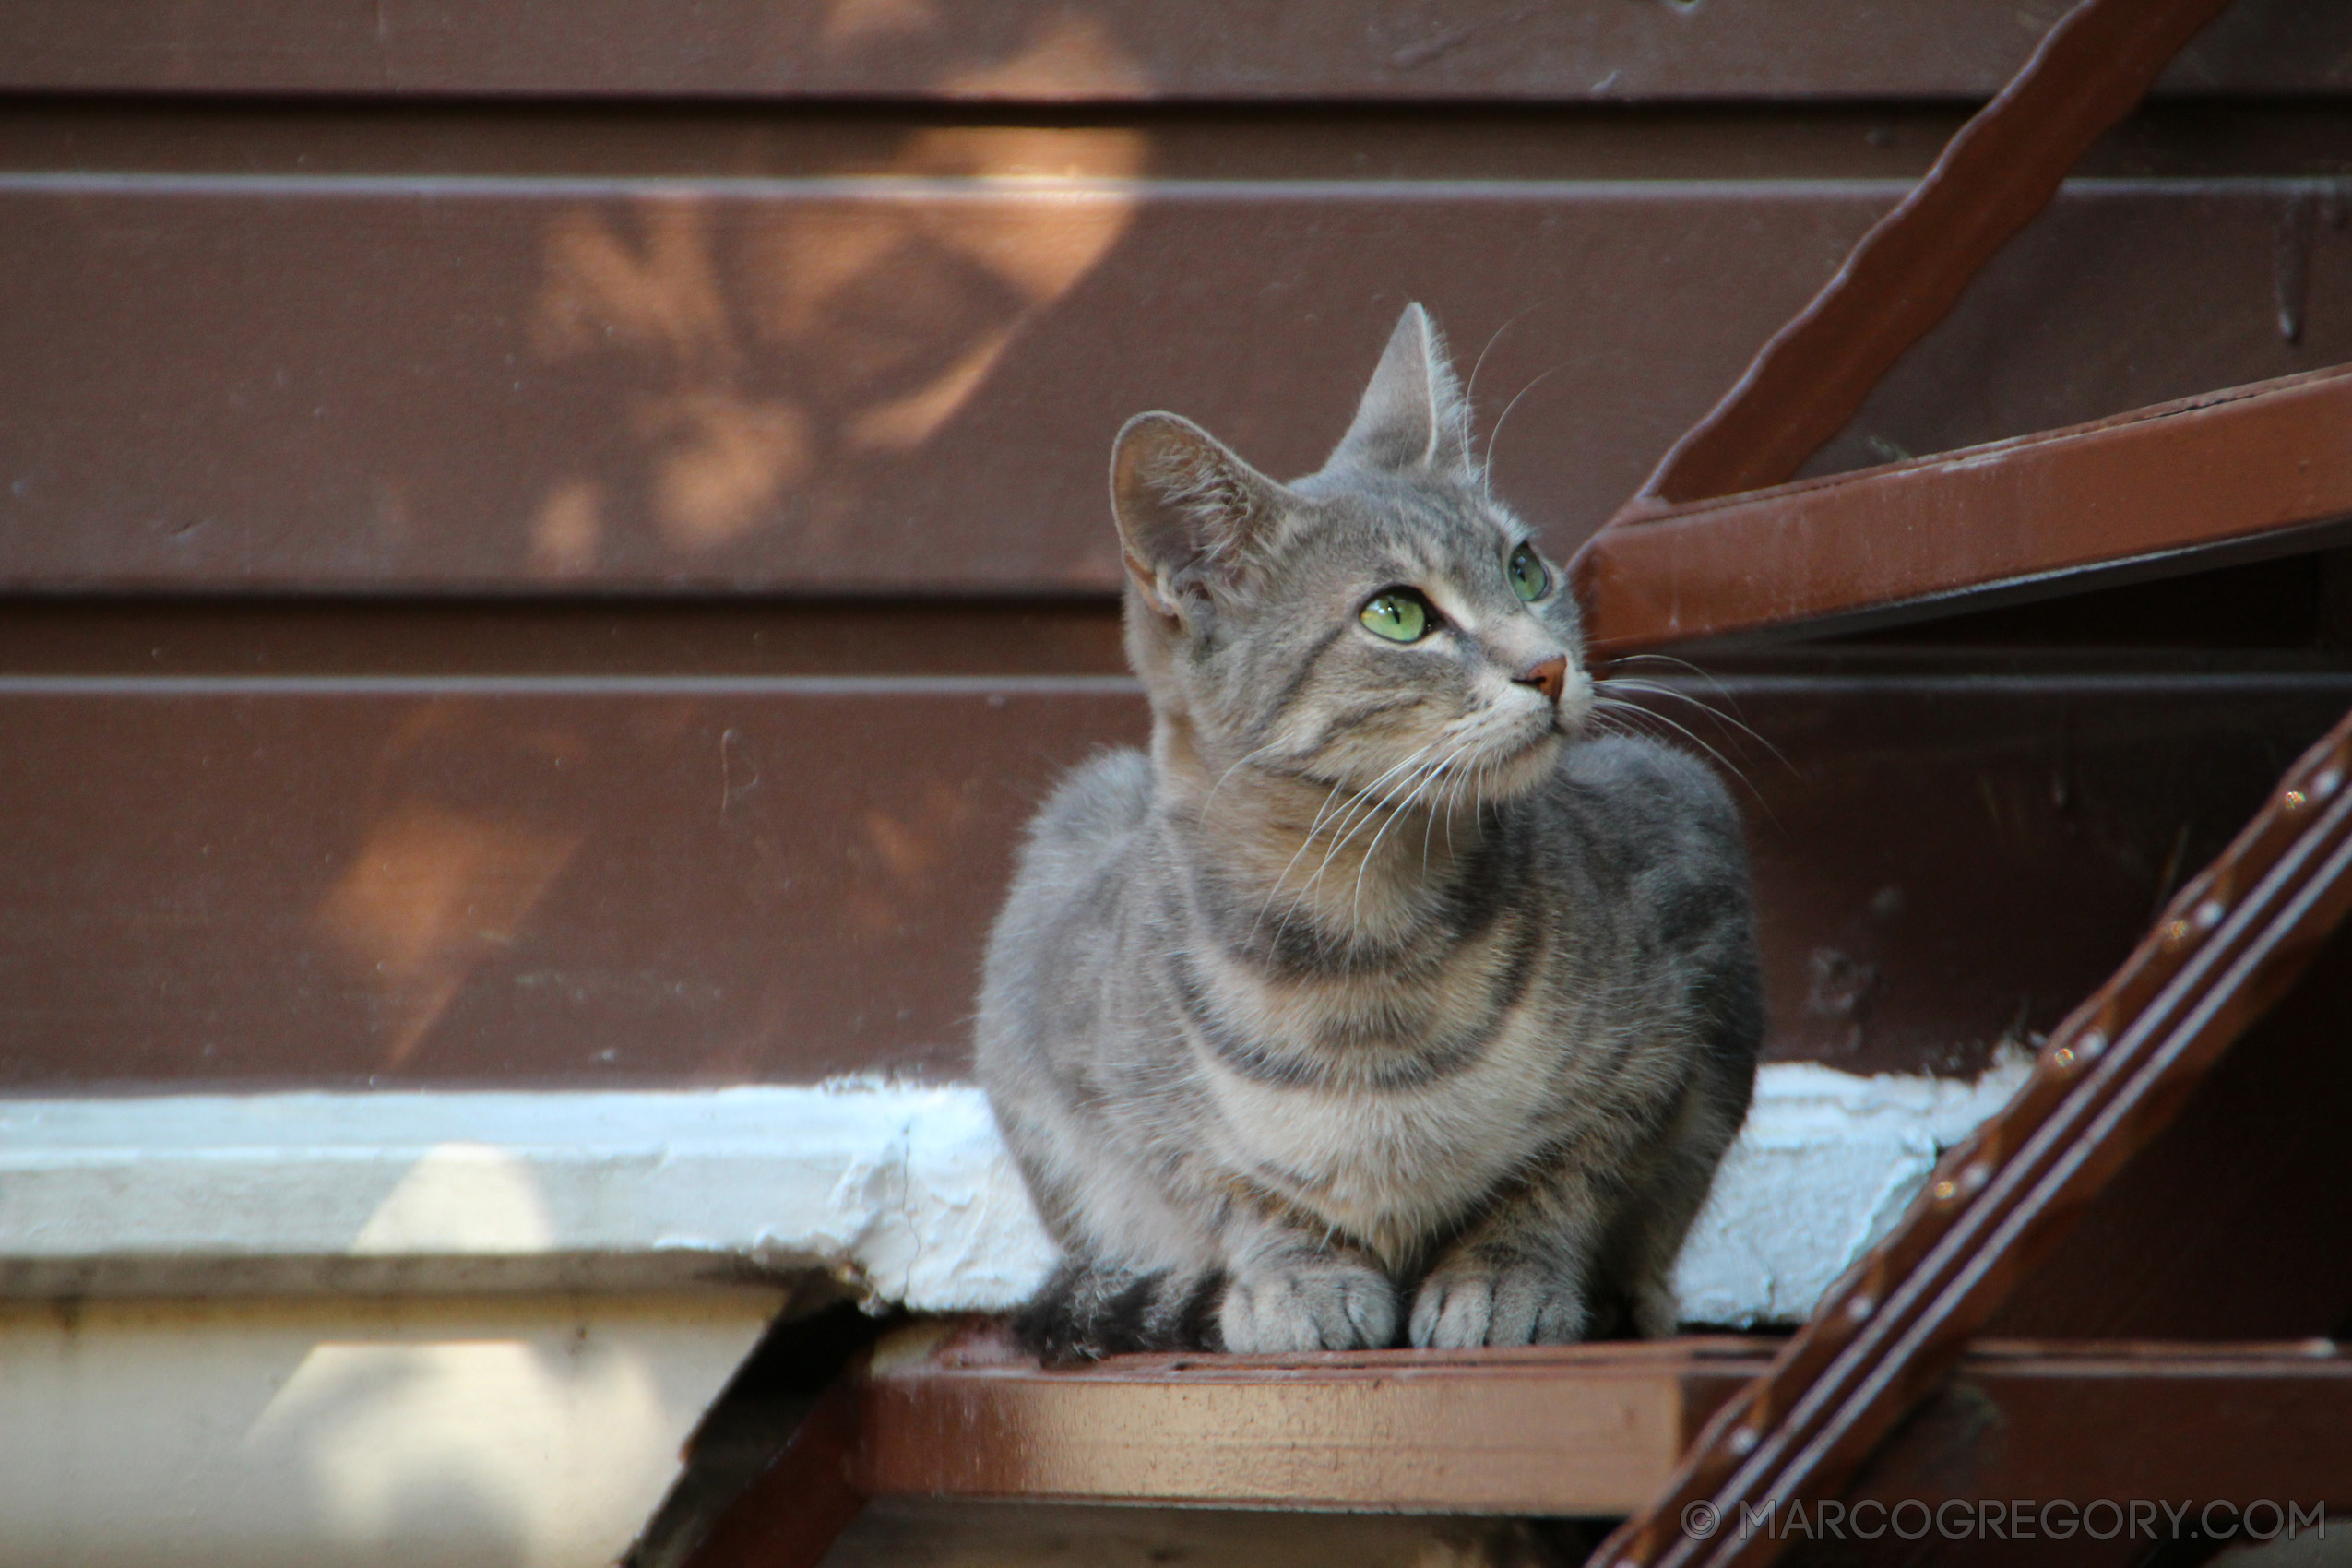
(904, 1192)
(1825, 1165)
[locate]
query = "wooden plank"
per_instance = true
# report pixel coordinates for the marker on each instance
(364, 386)
(1117, 49)
(2169, 489)
(737, 139)
(581, 638)
(733, 872)
(1585, 1429)
(2112, 1079)
(363, 880)
(880, 386)
(1911, 269)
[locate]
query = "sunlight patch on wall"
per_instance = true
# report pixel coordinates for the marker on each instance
(431, 893)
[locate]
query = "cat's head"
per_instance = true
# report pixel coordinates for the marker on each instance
(1383, 623)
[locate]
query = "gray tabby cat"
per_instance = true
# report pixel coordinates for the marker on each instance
(1377, 995)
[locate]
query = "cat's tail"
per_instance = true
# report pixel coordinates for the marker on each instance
(1089, 1310)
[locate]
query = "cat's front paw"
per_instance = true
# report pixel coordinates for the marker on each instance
(1522, 1303)
(1326, 1307)
(1656, 1314)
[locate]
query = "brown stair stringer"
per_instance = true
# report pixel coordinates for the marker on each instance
(2110, 1079)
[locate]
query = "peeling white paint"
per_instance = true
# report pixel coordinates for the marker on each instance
(906, 1189)
(1826, 1163)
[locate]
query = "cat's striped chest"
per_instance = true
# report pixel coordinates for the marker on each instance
(1392, 1162)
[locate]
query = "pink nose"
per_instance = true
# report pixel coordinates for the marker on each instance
(1550, 677)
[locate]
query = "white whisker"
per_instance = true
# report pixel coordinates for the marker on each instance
(1355, 904)
(1470, 391)
(1361, 807)
(1496, 435)
(1688, 733)
(1619, 683)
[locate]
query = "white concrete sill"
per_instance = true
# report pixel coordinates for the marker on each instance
(904, 1192)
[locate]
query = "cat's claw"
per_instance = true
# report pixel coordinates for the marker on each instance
(1308, 1309)
(1520, 1304)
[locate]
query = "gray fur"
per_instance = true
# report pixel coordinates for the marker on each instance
(1381, 999)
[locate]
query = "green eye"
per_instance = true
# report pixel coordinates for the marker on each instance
(1530, 579)
(1399, 614)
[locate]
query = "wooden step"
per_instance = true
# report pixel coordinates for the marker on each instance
(952, 1410)
(1580, 1429)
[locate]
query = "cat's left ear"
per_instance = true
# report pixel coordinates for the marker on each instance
(1412, 416)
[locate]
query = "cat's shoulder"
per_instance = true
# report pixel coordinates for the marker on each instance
(1641, 772)
(1075, 844)
(1103, 797)
(1654, 803)
(1090, 817)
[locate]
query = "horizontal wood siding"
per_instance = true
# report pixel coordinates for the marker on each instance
(559, 544)
(901, 386)
(1120, 50)
(380, 880)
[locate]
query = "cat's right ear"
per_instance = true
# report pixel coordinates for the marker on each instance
(1412, 415)
(1191, 513)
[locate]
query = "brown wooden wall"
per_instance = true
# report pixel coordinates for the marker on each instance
(1114, 51)
(559, 544)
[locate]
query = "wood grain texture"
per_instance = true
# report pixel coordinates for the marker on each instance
(1587, 1429)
